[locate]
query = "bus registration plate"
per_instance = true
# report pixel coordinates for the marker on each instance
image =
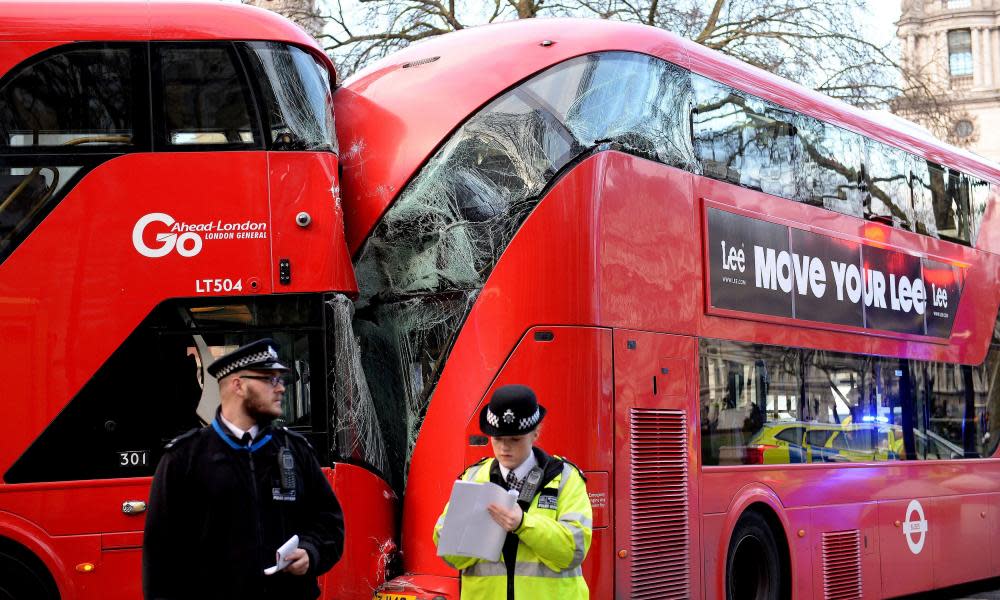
(389, 596)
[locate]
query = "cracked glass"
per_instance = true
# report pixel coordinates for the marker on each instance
(428, 258)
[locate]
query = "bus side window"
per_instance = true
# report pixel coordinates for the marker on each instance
(202, 98)
(887, 174)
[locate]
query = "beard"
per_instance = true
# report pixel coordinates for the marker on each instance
(260, 408)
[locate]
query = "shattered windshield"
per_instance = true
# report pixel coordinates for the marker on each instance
(424, 264)
(297, 96)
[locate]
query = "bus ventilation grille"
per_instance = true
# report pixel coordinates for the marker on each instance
(660, 538)
(842, 565)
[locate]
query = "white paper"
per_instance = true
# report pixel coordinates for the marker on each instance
(281, 556)
(468, 528)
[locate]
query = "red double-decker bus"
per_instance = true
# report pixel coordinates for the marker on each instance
(168, 191)
(764, 323)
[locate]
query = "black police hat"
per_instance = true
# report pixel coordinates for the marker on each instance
(513, 410)
(261, 355)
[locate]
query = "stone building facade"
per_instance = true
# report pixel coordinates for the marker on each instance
(955, 45)
(303, 12)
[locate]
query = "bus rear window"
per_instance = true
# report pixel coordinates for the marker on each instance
(297, 98)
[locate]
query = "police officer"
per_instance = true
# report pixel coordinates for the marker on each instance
(549, 528)
(227, 496)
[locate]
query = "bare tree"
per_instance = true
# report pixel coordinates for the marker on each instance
(819, 43)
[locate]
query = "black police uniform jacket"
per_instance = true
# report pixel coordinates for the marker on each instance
(219, 510)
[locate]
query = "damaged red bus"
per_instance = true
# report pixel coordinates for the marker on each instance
(764, 323)
(168, 191)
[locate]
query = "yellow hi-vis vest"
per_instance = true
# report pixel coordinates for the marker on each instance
(553, 543)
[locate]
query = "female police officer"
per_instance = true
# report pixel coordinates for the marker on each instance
(549, 528)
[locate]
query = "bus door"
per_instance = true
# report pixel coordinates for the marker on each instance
(657, 539)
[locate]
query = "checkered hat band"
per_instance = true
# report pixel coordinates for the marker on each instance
(246, 360)
(525, 423)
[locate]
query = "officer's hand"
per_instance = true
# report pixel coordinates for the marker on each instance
(508, 519)
(300, 562)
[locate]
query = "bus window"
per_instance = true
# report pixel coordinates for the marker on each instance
(295, 90)
(887, 176)
(830, 174)
(853, 407)
(923, 198)
(26, 194)
(746, 140)
(155, 387)
(79, 97)
(979, 200)
(749, 395)
(203, 98)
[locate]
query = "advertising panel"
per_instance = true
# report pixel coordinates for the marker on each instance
(765, 268)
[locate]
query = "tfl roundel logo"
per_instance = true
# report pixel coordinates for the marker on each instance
(186, 244)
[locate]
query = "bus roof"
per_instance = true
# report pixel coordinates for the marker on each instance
(131, 20)
(392, 115)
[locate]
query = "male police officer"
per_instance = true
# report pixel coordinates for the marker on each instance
(226, 497)
(549, 528)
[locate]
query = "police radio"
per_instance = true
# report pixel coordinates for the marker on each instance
(286, 464)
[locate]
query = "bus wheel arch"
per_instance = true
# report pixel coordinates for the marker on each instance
(25, 546)
(755, 525)
(26, 576)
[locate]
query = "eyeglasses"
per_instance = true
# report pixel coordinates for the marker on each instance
(274, 380)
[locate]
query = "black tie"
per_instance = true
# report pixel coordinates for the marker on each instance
(247, 439)
(513, 482)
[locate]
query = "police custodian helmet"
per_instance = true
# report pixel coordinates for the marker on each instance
(261, 355)
(512, 410)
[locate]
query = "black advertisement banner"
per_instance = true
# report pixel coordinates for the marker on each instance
(770, 269)
(944, 285)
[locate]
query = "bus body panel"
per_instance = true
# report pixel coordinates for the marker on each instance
(832, 519)
(304, 183)
(370, 509)
(962, 533)
(656, 518)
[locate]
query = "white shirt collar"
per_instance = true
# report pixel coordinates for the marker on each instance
(521, 471)
(237, 431)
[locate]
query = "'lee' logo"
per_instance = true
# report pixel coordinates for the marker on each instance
(735, 260)
(187, 244)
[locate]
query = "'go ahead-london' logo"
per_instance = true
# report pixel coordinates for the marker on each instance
(187, 238)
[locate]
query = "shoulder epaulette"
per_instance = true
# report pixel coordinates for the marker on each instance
(181, 438)
(478, 462)
(296, 434)
(572, 464)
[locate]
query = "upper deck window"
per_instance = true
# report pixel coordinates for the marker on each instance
(297, 98)
(78, 97)
(960, 53)
(204, 98)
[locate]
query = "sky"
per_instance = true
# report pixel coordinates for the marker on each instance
(885, 13)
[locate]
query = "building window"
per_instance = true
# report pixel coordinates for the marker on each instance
(960, 53)
(959, 3)
(963, 129)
